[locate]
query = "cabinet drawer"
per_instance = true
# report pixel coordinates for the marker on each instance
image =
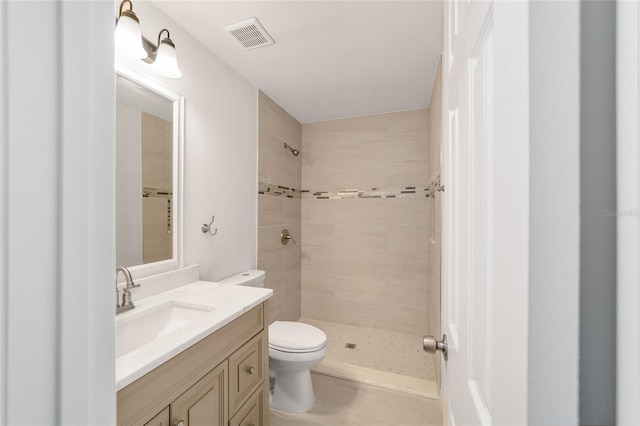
(253, 412)
(247, 371)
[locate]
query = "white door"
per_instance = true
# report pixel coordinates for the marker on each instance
(485, 218)
(628, 117)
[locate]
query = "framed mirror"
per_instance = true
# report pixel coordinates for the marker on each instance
(149, 173)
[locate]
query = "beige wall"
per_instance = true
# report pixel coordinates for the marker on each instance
(435, 212)
(279, 207)
(364, 259)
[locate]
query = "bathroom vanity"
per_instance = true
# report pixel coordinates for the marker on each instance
(210, 368)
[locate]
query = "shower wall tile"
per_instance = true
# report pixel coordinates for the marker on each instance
(395, 317)
(408, 122)
(278, 167)
(405, 211)
(435, 126)
(270, 210)
(263, 244)
(333, 212)
(408, 239)
(362, 258)
(340, 261)
(387, 264)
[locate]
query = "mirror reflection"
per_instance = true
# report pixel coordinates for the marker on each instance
(144, 175)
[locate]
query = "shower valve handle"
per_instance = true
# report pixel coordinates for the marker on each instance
(285, 237)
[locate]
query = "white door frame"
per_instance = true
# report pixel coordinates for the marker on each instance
(57, 215)
(628, 303)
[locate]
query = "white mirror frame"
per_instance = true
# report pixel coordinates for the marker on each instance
(176, 262)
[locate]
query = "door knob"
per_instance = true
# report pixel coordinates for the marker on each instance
(431, 345)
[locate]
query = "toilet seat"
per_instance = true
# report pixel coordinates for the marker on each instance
(294, 337)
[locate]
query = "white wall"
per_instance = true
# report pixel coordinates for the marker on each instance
(220, 150)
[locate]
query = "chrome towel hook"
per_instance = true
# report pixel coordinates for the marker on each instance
(207, 228)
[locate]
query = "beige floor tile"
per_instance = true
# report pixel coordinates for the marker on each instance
(342, 402)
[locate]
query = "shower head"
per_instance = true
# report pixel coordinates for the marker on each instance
(294, 151)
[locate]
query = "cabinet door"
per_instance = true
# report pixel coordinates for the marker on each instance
(162, 419)
(205, 403)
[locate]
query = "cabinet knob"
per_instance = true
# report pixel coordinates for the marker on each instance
(178, 423)
(251, 370)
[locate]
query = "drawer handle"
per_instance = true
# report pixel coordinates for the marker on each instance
(251, 370)
(178, 423)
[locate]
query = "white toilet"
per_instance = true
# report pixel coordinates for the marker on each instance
(294, 348)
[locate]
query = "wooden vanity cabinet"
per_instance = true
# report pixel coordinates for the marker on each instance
(205, 403)
(221, 380)
(162, 419)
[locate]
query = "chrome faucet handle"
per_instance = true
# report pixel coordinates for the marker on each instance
(127, 303)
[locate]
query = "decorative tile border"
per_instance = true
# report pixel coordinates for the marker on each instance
(278, 190)
(340, 194)
(375, 192)
(156, 193)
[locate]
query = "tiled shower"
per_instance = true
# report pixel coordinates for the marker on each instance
(360, 202)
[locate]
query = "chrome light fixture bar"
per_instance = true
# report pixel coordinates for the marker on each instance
(131, 42)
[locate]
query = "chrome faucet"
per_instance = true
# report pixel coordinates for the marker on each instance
(127, 303)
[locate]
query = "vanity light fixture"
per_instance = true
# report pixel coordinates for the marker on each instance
(128, 38)
(130, 41)
(166, 61)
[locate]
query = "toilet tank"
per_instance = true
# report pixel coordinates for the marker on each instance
(250, 278)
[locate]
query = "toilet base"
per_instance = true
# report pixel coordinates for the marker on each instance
(292, 392)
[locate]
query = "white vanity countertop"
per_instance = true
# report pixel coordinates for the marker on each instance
(230, 302)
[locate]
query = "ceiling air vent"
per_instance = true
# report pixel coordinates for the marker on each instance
(250, 33)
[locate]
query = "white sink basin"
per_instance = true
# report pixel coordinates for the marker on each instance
(136, 329)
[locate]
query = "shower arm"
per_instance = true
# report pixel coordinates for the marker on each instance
(294, 151)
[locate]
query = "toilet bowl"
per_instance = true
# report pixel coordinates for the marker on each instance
(294, 349)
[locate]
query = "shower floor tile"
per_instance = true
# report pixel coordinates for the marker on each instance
(398, 357)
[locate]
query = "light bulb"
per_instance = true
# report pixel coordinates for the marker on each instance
(128, 38)
(166, 62)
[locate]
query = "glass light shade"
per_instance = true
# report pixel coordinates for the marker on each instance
(166, 62)
(129, 38)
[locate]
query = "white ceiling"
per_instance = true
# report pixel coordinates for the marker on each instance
(331, 59)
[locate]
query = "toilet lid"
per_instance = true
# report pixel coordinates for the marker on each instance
(295, 336)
